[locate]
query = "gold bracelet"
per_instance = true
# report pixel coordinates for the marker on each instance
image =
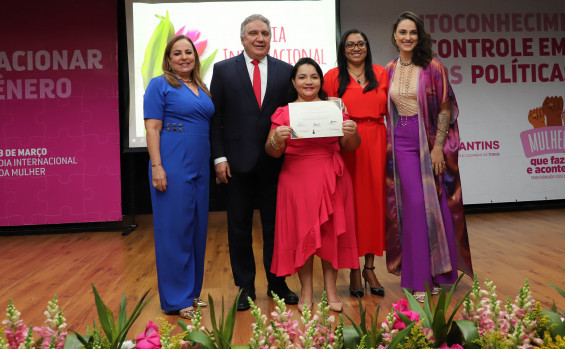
(274, 144)
(155, 165)
(446, 132)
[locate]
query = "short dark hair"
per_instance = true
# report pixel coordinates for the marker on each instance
(343, 76)
(292, 93)
(423, 53)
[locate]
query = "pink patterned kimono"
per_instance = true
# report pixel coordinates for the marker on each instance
(433, 91)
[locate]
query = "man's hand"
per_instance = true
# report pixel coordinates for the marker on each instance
(222, 172)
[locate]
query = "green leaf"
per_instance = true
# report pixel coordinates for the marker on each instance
(438, 326)
(404, 318)
(400, 336)
(351, 336)
(122, 335)
(206, 62)
(76, 341)
(356, 327)
(212, 313)
(469, 332)
(375, 334)
(556, 326)
(182, 325)
(230, 320)
(451, 291)
(201, 338)
(122, 314)
(105, 316)
(415, 306)
(561, 292)
(361, 329)
(155, 50)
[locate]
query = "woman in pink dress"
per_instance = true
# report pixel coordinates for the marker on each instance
(315, 209)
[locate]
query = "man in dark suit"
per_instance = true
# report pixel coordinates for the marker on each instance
(246, 90)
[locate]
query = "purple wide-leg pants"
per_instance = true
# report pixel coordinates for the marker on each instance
(415, 268)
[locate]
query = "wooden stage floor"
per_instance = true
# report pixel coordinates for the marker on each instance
(506, 248)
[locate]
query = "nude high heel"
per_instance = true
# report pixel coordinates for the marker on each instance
(336, 306)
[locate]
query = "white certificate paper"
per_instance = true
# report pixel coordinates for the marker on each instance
(316, 119)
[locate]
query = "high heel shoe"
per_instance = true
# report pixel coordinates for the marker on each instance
(336, 306)
(379, 291)
(355, 292)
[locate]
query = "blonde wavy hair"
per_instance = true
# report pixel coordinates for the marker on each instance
(194, 75)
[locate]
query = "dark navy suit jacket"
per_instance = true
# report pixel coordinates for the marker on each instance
(239, 129)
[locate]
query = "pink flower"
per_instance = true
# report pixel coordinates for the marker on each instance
(150, 339)
(15, 333)
(454, 346)
(194, 35)
(403, 307)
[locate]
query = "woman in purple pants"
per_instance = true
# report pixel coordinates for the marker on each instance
(426, 230)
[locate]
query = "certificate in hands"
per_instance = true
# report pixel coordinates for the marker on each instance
(316, 119)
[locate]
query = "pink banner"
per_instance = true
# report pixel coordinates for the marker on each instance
(543, 140)
(59, 121)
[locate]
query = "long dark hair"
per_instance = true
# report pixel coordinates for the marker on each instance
(343, 76)
(292, 93)
(423, 53)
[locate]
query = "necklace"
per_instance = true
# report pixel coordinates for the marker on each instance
(187, 81)
(403, 95)
(357, 75)
(404, 64)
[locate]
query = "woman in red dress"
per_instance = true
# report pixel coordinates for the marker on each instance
(315, 213)
(363, 87)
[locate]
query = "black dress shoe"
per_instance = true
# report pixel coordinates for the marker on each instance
(378, 291)
(243, 302)
(283, 292)
(355, 292)
(170, 312)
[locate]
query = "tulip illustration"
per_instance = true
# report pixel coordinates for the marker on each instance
(155, 49)
(194, 35)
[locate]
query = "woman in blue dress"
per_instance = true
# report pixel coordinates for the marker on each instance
(177, 110)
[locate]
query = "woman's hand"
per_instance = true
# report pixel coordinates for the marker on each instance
(350, 139)
(281, 134)
(438, 160)
(159, 177)
(276, 141)
(349, 127)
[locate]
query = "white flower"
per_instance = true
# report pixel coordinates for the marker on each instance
(128, 345)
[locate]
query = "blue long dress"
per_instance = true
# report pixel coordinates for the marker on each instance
(180, 214)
